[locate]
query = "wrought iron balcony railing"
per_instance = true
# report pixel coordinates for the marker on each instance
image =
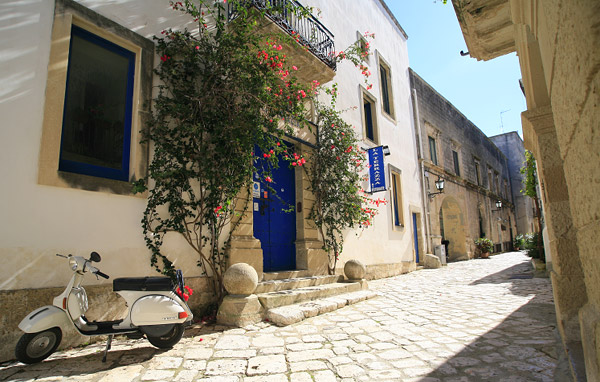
(307, 29)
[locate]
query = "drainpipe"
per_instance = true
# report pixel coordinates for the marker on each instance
(424, 196)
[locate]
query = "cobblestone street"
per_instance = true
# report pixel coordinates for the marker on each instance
(479, 320)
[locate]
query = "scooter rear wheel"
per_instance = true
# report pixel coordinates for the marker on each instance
(168, 340)
(36, 347)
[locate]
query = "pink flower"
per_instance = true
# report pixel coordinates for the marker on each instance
(197, 47)
(268, 179)
(295, 67)
(164, 58)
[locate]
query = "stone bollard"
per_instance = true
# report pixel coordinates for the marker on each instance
(240, 307)
(432, 261)
(355, 271)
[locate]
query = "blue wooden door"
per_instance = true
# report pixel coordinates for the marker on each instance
(414, 218)
(273, 225)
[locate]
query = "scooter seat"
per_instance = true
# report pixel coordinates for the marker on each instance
(143, 284)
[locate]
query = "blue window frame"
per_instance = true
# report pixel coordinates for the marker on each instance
(97, 116)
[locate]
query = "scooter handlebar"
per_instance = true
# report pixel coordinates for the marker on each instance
(103, 275)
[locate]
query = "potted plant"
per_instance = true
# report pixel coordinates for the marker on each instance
(519, 242)
(484, 247)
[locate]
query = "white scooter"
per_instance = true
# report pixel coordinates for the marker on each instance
(154, 308)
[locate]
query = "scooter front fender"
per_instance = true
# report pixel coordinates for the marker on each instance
(43, 318)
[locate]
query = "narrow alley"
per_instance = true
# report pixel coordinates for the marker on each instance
(478, 320)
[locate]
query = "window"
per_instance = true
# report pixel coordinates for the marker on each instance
(456, 165)
(397, 211)
(433, 151)
(505, 188)
(99, 89)
(96, 128)
(477, 172)
(386, 88)
(364, 45)
(489, 178)
(369, 121)
(497, 182)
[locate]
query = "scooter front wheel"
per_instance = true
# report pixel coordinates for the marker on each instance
(168, 340)
(36, 347)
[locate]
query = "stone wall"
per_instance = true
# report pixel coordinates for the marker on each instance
(466, 200)
(558, 44)
(513, 148)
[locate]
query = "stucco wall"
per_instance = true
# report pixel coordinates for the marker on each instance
(379, 244)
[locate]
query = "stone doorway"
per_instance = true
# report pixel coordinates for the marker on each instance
(452, 224)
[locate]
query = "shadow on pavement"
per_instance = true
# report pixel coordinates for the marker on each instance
(78, 365)
(89, 359)
(522, 348)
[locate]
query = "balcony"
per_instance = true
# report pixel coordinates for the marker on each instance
(310, 32)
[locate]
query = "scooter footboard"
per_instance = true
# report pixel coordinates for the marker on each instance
(43, 318)
(157, 310)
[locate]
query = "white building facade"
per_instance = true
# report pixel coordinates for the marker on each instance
(48, 207)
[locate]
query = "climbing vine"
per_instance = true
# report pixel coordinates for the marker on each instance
(530, 188)
(227, 92)
(336, 173)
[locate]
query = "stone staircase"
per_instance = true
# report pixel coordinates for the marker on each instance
(290, 297)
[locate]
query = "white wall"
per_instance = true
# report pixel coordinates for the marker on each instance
(39, 221)
(379, 243)
(36, 221)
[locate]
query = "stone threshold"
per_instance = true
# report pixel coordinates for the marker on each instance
(291, 314)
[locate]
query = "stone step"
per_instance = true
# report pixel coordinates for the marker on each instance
(291, 314)
(267, 276)
(292, 283)
(298, 295)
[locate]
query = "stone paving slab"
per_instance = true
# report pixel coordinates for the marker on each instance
(466, 322)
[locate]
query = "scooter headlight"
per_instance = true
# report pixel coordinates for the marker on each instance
(73, 264)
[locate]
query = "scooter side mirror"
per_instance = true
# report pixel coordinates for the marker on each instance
(95, 257)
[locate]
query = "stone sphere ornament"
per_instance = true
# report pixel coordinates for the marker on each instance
(355, 270)
(240, 279)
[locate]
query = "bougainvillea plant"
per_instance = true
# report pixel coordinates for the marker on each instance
(336, 172)
(225, 90)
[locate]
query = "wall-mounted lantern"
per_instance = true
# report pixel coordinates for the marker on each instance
(498, 205)
(439, 185)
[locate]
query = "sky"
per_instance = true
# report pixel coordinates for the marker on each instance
(486, 92)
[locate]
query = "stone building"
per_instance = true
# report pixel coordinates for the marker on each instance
(558, 44)
(52, 208)
(475, 173)
(513, 148)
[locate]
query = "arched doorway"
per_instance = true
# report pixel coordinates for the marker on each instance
(452, 227)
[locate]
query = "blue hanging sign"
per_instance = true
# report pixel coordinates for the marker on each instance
(377, 169)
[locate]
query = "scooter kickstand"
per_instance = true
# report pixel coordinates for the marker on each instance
(108, 343)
